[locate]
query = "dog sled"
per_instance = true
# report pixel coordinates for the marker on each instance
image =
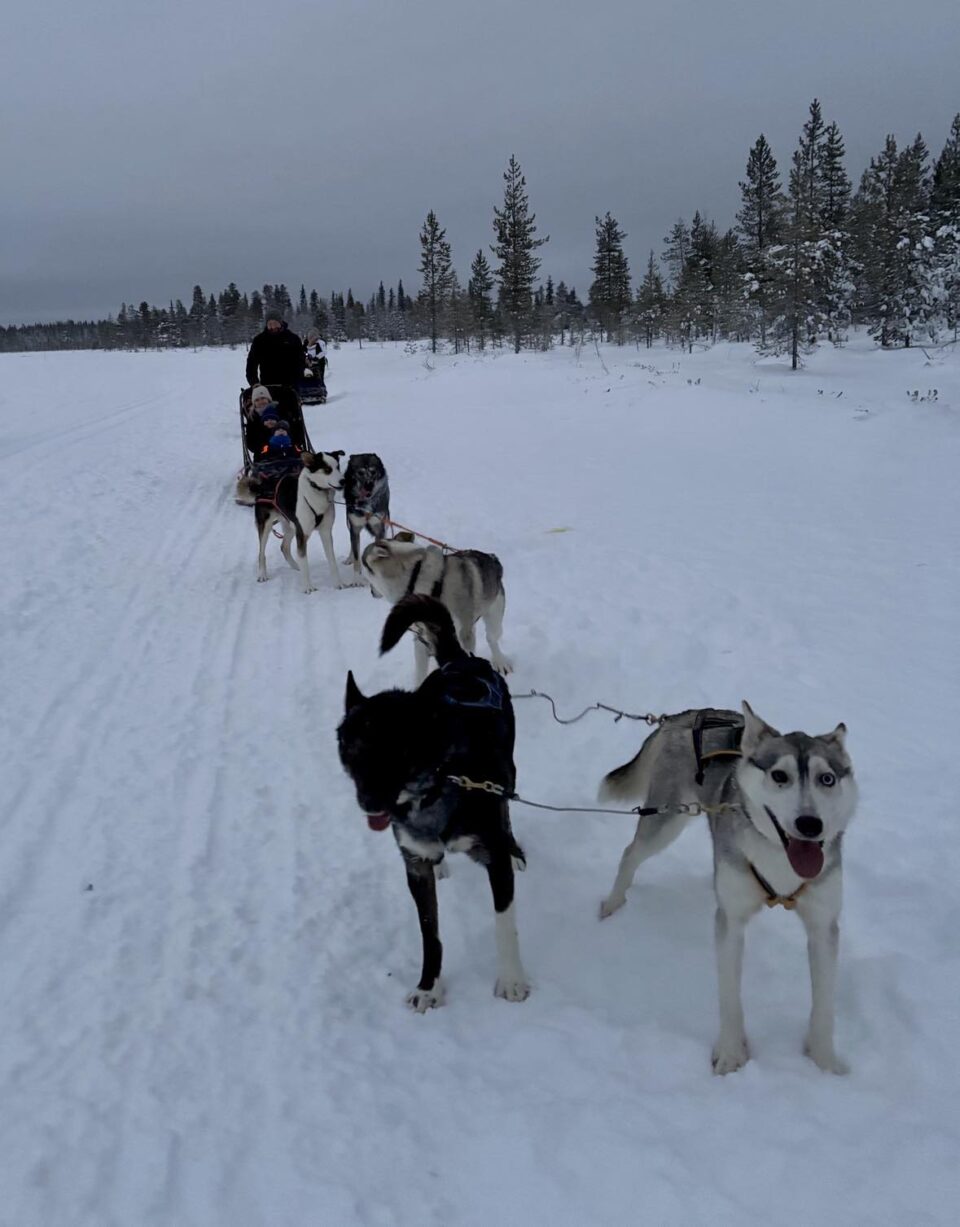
(312, 391)
(253, 436)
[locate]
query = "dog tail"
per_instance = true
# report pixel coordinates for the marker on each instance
(431, 614)
(631, 781)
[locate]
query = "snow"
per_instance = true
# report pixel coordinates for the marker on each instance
(204, 951)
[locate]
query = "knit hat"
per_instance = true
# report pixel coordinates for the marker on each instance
(273, 314)
(270, 413)
(259, 391)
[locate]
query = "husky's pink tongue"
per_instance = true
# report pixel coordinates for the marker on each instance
(805, 857)
(380, 822)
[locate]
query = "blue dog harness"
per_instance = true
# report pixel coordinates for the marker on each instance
(465, 688)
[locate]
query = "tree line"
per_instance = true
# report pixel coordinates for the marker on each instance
(807, 259)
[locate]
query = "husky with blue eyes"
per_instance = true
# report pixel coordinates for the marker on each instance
(782, 802)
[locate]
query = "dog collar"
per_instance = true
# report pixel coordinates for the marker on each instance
(772, 898)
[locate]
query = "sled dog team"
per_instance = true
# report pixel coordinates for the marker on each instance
(436, 764)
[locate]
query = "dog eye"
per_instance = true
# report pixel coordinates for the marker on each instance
(779, 777)
(827, 779)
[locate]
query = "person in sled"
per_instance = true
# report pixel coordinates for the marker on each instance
(279, 455)
(262, 416)
(279, 446)
(276, 354)
(316, 357)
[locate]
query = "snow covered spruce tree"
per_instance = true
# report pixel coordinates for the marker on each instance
(651, 304)
(945, 217)
(760, 221)
(795, 305)
(610, 291)
(890, 231)
(515, 227)
(836, 286)
(437, 270)
(481, 304)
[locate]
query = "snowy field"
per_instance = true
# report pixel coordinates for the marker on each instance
(204, 950)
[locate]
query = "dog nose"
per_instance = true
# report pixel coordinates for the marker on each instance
(809, 826)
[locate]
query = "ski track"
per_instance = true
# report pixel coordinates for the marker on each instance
(204, 951)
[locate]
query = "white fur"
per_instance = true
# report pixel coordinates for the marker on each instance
(423, 999)
(512, 983)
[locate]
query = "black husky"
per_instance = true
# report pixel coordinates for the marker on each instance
(366, 492)
(402, 750)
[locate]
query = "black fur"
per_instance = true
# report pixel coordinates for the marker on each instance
(459, 722)
(366, 491)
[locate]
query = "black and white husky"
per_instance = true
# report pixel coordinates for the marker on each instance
(366, 491)
(401, 749)
(786, 800)
(468, 582)
(301, 503)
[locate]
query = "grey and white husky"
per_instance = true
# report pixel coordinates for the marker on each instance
(468, 582)
(786, 801)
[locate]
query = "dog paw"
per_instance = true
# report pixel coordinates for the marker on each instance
(307, 591)
(610, 905)
(825, 1058)
(729, 1057)
(502, 664)
(511, 988)
(519, 864)
(423, 999)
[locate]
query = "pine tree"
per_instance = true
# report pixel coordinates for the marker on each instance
(515, 227)
(479, 290)
(610, 291)
(760, 221)
(402, 299)
(437, 271)
(302, 308)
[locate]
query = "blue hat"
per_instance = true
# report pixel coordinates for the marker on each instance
(280, 440)
(270, 413)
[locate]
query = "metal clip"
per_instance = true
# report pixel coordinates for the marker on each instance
(464, 781)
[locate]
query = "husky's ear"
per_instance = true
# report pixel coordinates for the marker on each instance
(405, 535)
(338, 455)
(378, 549)
(352, 698)
(838, 736)
(754, 729)
(307, 458)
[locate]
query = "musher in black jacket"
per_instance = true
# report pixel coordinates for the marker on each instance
(276, 354)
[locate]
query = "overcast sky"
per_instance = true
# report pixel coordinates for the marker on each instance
(149, 146)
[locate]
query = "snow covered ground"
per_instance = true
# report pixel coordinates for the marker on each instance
(203, 948)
